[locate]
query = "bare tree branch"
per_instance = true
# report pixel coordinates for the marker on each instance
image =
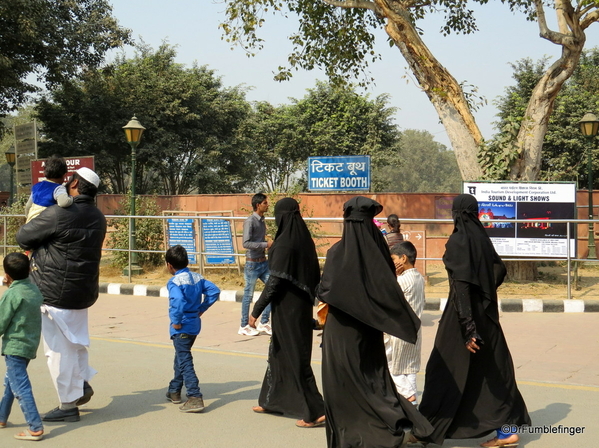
(582, 10)
(348, 4)
(589, 19)
(544, 31)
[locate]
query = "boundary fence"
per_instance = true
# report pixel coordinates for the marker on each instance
(327, 231)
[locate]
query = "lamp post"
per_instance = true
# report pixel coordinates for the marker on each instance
(589, 125)
(11, 158)
(133, 132)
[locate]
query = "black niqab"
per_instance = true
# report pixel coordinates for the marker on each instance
(359, 276)
(292, 256)
(468, 395)
(470, 256)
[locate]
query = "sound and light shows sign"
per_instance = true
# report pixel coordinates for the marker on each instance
(541, 201)
(346, 173)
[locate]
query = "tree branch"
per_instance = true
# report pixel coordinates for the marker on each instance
(589, 19)
(362, 4)
(565, 16)
(544, 31)
(583, 10)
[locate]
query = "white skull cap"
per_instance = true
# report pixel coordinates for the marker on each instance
(89, 176)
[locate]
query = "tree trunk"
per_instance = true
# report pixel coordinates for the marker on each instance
(447, 96)
(442, 89)
(520, 271)
(540, 106)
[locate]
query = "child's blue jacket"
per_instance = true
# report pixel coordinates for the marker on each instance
(190, 295)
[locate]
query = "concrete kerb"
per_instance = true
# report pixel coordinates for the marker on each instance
(505, 305)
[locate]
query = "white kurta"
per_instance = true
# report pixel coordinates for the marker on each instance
(66, 338)
(403, 357)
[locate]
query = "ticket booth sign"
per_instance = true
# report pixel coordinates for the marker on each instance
(348, 173)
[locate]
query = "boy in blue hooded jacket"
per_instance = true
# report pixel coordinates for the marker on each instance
(190, 295)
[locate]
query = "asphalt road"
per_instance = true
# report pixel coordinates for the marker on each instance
(555, 355)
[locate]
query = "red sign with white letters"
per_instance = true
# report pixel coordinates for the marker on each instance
(73, 164)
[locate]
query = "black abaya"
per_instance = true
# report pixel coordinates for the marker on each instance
(362, 406)
(289, 386)
(468, 395)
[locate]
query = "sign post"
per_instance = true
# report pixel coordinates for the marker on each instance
(539, 201)
(25, 150)
(218, 239)
(73, 164)
(347, 173)
(181, 231)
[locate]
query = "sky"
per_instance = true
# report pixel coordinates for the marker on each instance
(481, 59)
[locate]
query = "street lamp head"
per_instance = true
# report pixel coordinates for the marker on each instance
(11, 157)
(133, 131)
(589, 125)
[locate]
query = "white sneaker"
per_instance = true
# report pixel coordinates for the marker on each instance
(248, 331)
(264, 328)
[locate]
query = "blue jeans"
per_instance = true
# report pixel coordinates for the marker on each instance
(17, 385)
(252, 272)
(184, 371)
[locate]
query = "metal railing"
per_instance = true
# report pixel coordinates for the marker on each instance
(569, 258)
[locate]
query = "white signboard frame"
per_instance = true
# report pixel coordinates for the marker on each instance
(527, 200)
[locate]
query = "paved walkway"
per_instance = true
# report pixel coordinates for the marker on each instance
(555, 355)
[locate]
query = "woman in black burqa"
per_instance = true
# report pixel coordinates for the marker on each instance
(470, 387)
(289, 386)
(364, 300)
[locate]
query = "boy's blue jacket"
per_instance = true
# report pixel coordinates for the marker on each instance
(190, 295)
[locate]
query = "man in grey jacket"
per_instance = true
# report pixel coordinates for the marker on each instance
(256, 264)
(67, 247)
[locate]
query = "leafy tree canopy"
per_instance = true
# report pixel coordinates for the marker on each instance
(338, 35)
(191, 121)
(565, 150)
(426, 166)
(52, 39)
(328, 121)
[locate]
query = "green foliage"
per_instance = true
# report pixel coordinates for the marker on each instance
(497, 155)
(426, 166)
(340, 38)
(270, 134)
(565, 150)
(190, 143)
(328, 121)
(14, 222)
(149, 232)
(53, 40)
(339, 122)
(328, 37)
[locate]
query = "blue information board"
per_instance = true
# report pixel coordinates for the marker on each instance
(347, 173)
(182, 232)
(217, 237)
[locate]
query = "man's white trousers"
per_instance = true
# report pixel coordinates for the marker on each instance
(66, 339)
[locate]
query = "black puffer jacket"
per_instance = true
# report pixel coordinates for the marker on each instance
(67, 244)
